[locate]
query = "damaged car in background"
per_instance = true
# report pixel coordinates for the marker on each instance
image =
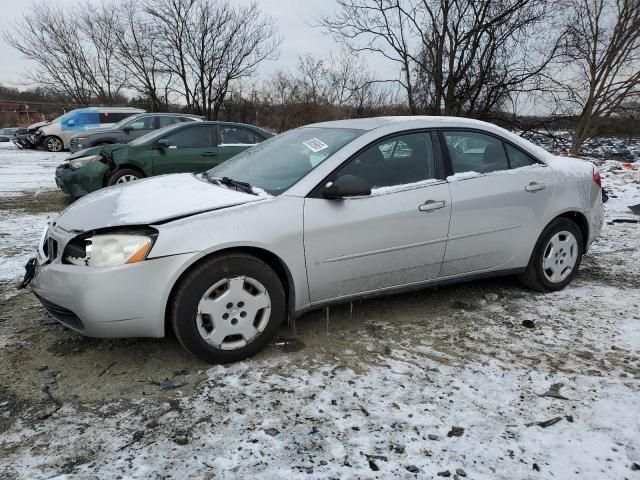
(319, 215)
(184, 146)
(55, 135)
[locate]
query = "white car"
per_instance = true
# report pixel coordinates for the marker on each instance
(322, 214)
(55, 135)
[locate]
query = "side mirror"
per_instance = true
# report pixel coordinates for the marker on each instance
(346, 186)
(162, 143)
(127, 129)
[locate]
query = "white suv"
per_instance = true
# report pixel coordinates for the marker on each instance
(55, 136)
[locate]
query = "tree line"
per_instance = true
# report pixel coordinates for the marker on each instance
(487, 59)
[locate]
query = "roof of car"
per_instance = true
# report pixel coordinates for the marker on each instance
(167, 114)
(376, 122)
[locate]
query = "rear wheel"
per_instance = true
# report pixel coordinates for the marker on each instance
(556, 257)
(53, 144)
(228, 308)
(124, 175)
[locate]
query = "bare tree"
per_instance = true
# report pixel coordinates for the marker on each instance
(100, 28)
(207, 45)
(602, 53)
(73, 54)
(380, 27)
(139, 53)
(455, 56)
(335, 86)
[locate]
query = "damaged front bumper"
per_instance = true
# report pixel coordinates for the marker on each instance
(80, 182)
(109, 302)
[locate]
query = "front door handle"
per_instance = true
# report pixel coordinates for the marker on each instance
(431, 205)
(209, 154)
(535, 187)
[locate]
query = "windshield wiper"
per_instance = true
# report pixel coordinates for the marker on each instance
(230, 182)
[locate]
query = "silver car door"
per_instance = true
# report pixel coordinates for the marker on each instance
(396, 236)
(496, 210)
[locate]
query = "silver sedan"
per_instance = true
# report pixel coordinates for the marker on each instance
(321, 214)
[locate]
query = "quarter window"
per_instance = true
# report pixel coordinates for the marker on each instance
(517, 158)
(238, 135)
(475, 152)
(192, 137)
(401, 160)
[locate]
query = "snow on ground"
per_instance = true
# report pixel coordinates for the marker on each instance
(23, 171)
(19, 236)
(27, 169)
(373, 396)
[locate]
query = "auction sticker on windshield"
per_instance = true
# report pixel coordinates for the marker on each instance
(315, 145)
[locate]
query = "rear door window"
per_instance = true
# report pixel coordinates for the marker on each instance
(141, 123)
(232, 135)
(196, 136)
(475, 152)
(165, 120)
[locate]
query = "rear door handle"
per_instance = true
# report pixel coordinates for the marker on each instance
(431, 205)
(535, 187)
(209, 154)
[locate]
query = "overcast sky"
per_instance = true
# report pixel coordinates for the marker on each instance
(293, 17)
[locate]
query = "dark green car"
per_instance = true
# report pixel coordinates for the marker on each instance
(183, 147)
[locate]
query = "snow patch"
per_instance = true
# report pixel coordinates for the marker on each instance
(404, 186)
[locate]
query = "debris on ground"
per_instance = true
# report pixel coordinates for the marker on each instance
(545, 423)
(554, 392)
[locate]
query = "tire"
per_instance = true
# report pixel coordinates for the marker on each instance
(124, 175)
(547, 269)
(221, 285)
(53, 144)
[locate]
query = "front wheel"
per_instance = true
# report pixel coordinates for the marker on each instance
(124, 175)
(227, 308)
(53, 144)
(556, 257)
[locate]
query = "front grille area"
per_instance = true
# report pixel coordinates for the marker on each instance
(50, 248)
(63, 315)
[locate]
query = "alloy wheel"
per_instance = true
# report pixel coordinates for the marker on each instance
(54, 145)
(126, 179)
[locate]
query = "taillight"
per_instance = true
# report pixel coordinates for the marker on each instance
(596, 176)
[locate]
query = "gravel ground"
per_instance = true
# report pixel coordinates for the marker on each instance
(483, 380)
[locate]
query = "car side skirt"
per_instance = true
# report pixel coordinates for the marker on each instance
(437, 282)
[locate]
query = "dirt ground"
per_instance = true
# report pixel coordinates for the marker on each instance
(373, 392)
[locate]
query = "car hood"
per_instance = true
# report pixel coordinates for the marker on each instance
(149, 201)
(97, 150)
(38, 125)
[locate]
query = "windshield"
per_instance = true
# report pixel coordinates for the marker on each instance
(64, 117)
(153, 135)
(276, 164)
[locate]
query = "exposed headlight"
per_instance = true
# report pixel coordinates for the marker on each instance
(82, 161)
(109, 250)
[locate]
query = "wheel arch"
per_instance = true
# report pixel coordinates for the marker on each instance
(271, 259)
(579, 219)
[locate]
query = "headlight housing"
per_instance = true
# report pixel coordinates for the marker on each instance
(82, 161)
(109, 249)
